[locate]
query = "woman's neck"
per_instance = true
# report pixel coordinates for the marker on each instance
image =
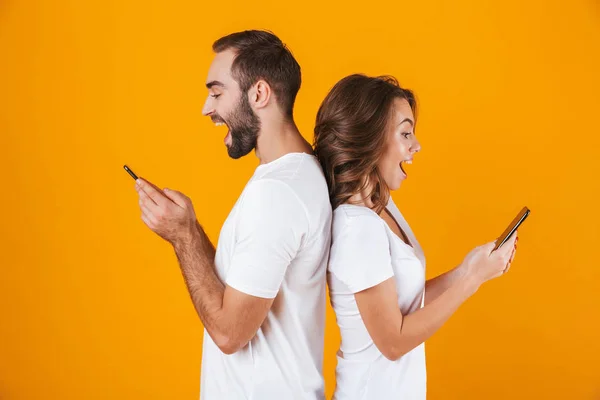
(362, 198)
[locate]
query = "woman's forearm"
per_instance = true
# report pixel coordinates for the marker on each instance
(423, 323)
(434, 287)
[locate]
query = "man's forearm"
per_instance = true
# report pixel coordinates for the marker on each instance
(436, 286)
(196, 259)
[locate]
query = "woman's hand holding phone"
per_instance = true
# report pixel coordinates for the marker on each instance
(494, 259)
(483, 264)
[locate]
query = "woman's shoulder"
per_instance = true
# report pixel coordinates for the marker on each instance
(359, 245)
(356, 218)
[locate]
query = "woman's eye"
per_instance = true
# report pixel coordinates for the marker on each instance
(407, 134)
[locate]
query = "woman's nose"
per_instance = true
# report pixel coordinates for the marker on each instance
(416, 147)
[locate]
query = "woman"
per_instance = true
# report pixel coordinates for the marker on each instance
(384, 307)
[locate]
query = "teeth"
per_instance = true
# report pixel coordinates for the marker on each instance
(219, 123)
(408, 161)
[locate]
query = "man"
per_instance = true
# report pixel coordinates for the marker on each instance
(261, 295)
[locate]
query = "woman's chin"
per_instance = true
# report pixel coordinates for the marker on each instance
(395, 185)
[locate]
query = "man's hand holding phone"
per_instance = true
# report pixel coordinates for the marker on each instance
(168, 213)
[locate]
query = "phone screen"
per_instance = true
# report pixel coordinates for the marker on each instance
(514, 225)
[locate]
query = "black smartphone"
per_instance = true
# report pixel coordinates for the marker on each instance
(130, 172)
(514, 225)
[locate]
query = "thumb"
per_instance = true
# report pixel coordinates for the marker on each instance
(488, 247)
(175, 196)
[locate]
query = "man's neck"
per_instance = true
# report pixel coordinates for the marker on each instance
(278, 138)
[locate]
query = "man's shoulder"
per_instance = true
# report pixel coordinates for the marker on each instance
(300, 173)
(291, 167)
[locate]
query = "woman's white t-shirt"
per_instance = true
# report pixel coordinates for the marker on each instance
(364, 253)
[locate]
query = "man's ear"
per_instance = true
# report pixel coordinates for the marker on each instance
(260, 94)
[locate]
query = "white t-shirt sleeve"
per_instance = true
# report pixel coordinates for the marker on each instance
(271, 226)
(360, 255)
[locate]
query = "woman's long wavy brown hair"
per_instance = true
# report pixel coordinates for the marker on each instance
(350, 135)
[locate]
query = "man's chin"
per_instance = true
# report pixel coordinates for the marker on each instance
(236, 153)
(235, 156)
(240, 144)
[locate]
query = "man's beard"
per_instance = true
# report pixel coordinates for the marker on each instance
(244, 126)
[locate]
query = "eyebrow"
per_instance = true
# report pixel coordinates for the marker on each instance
(407, 120)
(210, 84)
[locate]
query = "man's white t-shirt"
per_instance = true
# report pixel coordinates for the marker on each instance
(275, 244)
(364, 253)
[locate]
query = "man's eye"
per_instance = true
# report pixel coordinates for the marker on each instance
(215, 96)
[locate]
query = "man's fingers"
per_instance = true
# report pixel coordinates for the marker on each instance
(146, 211)
(148, 216)
(147, 221)
(175, 196)
(145, 200)
(152, 191)
(151, 184)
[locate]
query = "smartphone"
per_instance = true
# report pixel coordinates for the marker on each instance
(130, 172)
(134, 176)
(514, 225)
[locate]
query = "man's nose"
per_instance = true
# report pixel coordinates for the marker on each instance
(208, 108)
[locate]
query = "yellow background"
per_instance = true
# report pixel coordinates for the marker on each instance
(92, 303)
